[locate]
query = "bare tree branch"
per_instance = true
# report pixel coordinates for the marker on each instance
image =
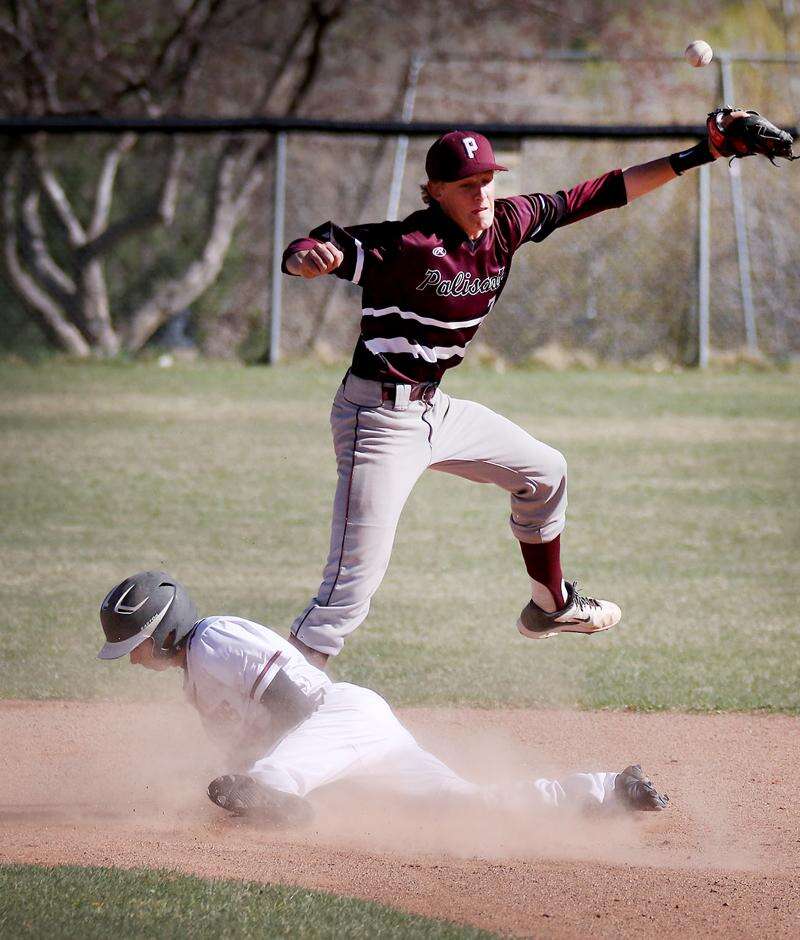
(55, 193)
(133, 85)
(86, 302)
(312, 27)
(304, 30)
(51, 276)
(246, 7)
(33, 56)
(36, 299)
(169, 48)
(168, 202)
(93, 22)
(253, 181)
(105, 183)
(175, 61)
(184, 70)
(324, 17)
(161, 210)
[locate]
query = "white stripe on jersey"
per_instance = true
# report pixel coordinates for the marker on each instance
(359, 262)
(427, 321)
(399, 344)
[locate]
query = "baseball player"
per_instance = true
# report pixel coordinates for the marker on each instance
(427, 284)
(289, 730)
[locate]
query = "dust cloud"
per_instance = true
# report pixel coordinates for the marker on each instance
(146, 767)
(125, 785)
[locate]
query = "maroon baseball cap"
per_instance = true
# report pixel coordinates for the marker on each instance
(459, 154)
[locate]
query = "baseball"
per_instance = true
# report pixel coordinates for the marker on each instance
(698, 53)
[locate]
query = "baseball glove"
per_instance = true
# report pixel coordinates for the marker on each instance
(746, 135)
(243, 796)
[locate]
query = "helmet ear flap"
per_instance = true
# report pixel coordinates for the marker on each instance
(166, 648)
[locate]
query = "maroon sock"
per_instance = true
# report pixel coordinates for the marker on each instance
(543, 562)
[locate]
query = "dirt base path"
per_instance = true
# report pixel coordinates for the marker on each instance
(98, 784)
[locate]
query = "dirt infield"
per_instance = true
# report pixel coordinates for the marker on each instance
(101, 784)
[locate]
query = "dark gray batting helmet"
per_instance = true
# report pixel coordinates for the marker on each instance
(149, 604)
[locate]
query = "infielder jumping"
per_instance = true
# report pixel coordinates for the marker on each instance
(427, 283)
(289, 730)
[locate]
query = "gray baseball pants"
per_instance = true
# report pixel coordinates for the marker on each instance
(382, 448)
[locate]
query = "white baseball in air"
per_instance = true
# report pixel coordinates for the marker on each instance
(698, 53)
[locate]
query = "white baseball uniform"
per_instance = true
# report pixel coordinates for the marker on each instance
(351, 734)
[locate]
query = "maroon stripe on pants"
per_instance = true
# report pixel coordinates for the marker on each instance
(346, 509)
(344, 527)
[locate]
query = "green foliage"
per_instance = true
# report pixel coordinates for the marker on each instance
(683, 488)
(104, 902)
(750, 26)
(19, 333)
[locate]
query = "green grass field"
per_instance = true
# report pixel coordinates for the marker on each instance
(683, 508)
(106, 902)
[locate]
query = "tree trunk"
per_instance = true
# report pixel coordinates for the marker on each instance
(93, 296)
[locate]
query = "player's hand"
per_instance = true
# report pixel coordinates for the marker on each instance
(313, 262)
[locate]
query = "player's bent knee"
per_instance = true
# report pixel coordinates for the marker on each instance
(547, 475)
(555, 469)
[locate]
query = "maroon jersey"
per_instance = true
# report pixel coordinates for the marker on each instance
(426, 287)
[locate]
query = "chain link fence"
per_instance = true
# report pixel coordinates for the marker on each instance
(623, 286)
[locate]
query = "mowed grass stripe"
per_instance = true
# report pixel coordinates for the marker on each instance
(109, 902)
(683, 496)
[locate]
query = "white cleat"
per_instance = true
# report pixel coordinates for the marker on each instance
(579, 615)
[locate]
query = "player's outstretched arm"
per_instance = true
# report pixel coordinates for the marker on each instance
(732, 132)
(643, 178)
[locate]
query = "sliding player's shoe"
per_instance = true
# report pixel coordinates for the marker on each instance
(243, 796)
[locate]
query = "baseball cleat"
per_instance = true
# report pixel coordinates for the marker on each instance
(634, 791)
(579, 615)
(243, 796)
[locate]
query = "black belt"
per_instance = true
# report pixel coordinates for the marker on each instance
(424, 391)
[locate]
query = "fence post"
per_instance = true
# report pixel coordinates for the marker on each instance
(278, 215)
(704, 266)
(399, 166)
(740, 220)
